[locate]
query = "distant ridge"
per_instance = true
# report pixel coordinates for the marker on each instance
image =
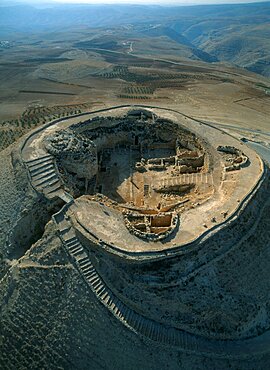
(234, 33)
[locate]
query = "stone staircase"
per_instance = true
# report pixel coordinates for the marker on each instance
(44, 176)
(126, 315)
(136, 322)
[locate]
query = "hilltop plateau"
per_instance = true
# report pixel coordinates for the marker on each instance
(135, 183)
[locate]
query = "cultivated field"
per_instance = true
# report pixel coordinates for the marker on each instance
(48, 76)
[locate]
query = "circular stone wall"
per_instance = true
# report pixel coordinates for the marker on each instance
(164, 180)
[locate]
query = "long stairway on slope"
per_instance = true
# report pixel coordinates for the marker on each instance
(138, 323)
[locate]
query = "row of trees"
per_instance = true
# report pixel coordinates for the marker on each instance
(32, 117)
(135, 97)
(8, 136)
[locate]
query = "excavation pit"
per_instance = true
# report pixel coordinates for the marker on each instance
(141, 163)
(149, 180)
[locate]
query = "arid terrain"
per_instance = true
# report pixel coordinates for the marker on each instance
(134, 218)
(55, 74)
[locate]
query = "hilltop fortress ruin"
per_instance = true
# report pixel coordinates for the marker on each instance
(154, 175)
(142, 166)
(145, 200)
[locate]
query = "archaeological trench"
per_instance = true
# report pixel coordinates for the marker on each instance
(139, 239)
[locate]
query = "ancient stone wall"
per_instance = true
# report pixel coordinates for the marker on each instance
(234, 158)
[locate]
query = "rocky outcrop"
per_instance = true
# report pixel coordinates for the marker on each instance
(75, 152)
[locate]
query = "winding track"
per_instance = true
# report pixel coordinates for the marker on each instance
(44, 178)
